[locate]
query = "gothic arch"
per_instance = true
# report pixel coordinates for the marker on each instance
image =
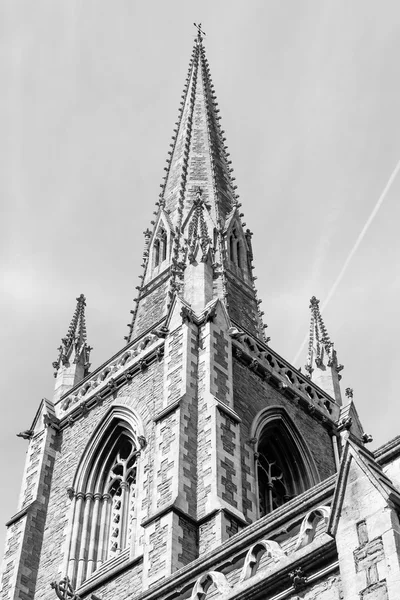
(284, 467)
(105, 493)
(254, 555)
(309, 524)
(160, 244)
(204, 582)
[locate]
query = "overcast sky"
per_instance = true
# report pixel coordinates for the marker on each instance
(309, 93)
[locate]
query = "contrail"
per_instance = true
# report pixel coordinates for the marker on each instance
(353, 250)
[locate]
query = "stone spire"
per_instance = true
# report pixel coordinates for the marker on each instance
(322, 364)
(197, 247)
(72, 364)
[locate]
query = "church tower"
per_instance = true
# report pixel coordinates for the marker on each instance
(196, 460)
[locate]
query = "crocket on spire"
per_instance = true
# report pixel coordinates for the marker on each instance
(322, 364)
(198, 247)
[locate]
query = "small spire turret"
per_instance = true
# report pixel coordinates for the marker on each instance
(322, 364)
(72, 364)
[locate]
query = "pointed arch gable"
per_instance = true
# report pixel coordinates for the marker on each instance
(117, 415)
(284, 466)
(160, 241)
(280, 415)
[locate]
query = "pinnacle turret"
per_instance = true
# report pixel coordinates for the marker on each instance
(72, 363)
(197, 247)
(322, 365)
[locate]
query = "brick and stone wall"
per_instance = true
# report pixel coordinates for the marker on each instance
(25, 534)
(251, 395)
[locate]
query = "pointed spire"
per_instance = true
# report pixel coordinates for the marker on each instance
(322, 364)
(197, 214)
(72, 363)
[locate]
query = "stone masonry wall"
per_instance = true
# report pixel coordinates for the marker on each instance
(243, 308)
(25, 535)
(251, 395)
(151, 309)
(144, 395)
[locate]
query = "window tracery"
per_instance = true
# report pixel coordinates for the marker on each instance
(105, 502)
(283, 466)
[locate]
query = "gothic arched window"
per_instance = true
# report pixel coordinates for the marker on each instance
(163, 238)
(284, 467)
(156, 252)
(239, 254)
(105, 499)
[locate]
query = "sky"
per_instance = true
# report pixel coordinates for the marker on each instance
(309, 94)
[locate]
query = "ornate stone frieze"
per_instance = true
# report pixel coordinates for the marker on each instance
(110, 378)
(268, 365)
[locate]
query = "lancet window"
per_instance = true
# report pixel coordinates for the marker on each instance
(160, 248)
(283, 469)
(105, 502)
(236, 249)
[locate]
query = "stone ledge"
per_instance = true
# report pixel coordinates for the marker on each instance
(22, 513)
(94, 582)
(228, 411)
(388, 452)
(167, 410)
(164, 510)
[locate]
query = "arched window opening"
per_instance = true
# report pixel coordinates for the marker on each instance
(105, 501)
(281, 471)
(234, 246)
(238, 254)
(163, 238)
(156, 252)
(231, 244)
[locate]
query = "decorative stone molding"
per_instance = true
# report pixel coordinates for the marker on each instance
(298, 579)
(204, 582)
(64, 589)
(309, 525)
(254, 554)
(265, 363)
(109, 379)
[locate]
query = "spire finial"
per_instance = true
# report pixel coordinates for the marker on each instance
(200, 32)
(322, 365)
(76, 338)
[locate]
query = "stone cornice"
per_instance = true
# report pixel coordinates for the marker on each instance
(268, 365)
(21, 513)
(228, 411)
(388, 452)
(269, 525)
(136, 358)
(324, 558)
(100, 577)
(167, 410)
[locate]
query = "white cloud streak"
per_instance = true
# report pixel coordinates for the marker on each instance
(353, 250)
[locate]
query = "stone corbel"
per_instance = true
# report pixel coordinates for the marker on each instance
(187, 314)
(51, 421)
(298, 579)
(26, 435)
(64, 589)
